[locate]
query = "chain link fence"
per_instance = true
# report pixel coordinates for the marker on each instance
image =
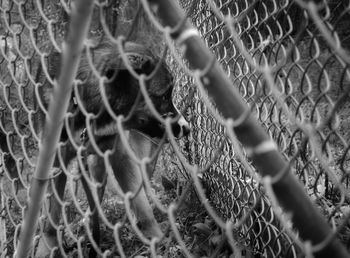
(306, 45)
(287, 59)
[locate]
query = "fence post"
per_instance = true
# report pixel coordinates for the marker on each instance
(81, 11)
(269, 162)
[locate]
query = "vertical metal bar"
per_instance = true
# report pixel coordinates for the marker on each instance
(289, 192)
(81, 13)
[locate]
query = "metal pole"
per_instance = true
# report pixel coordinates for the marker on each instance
(81, 12)
(268, 161)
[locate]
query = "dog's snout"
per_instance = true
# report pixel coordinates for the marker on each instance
(181, 128)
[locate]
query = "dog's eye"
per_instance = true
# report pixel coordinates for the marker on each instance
(147, 67)
(110, 74)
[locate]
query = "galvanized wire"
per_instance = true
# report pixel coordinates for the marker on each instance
(302, 102)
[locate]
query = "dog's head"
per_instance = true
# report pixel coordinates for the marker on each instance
(122, 90)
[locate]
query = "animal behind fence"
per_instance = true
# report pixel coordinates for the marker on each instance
(288, 60)
(107, 86)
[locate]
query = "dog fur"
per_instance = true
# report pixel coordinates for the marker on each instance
(143, 131)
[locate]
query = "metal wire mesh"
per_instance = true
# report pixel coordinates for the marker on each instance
(310, 65)
(303, 106)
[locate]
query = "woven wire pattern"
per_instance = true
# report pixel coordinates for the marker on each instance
(310, 78)
(306, 113)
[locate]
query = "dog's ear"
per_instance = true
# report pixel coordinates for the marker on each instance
(140, 58)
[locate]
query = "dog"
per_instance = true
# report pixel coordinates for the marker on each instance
(143, 131)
